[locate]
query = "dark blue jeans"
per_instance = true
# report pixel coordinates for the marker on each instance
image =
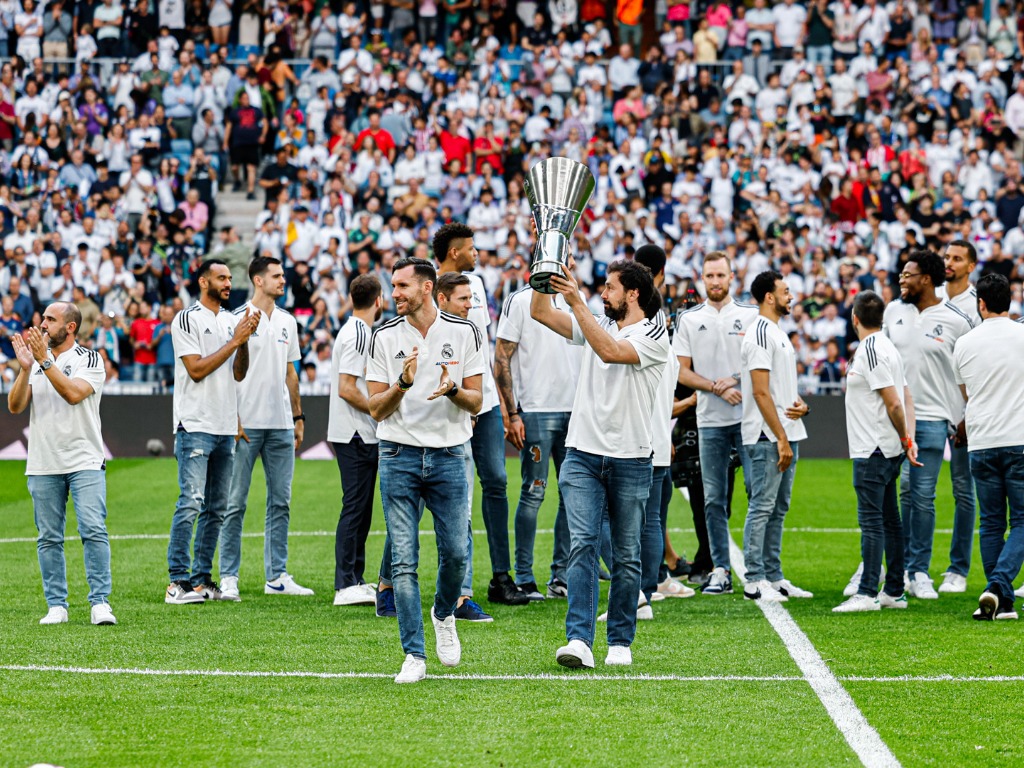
(652, 540)
(357, 463)
(489, 457)
(999, 480)
(716, 446)
(590, 484)
(878, 515)
(965, 512)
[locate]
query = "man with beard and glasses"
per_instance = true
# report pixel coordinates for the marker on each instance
(271, 426)
(206, 338)
(610, 447)
(352, 433)
(63, 382)
(772, 431)
(423, 425)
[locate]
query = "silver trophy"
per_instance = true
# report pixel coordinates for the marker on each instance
(558, 190)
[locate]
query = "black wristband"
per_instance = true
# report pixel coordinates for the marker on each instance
(300, 417)
(403, 384)
(453, 391)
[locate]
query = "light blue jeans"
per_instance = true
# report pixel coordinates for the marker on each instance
(545, 441)
(276, 448)
(770, 492)
(204, 479)
(590, 484)
(964, 510)
(438, 476)
(716, 445)
(88, 489)
(917, 495)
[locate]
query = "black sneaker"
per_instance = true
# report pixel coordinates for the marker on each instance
(531, 590)
(558, 589)
(386, 604)
(683, 568)
(988, 604)
(470, 611)
(503, 590)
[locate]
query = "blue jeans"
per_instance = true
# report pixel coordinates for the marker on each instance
(716, 446)
(204, 478)
(545, 440)
(276, 448)
(917, 495)
(770, 492)
(999, 480)
(589, 484)
(878, 515)
(652, 540)
(819, 54)
(88, 489)
(488, 444)
(438, 476)
(964, 512)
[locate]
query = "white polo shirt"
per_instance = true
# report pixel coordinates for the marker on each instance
(876, 365)
(989, 361)
(766, 348)
(926, 341)
(613, 409)
(663, 400)
(65, 438)
(210, 405)
(966, 302)
(351, 350)
(450, 341)
(481, 317)
(263, 400)
(712, 339)
(545, 368)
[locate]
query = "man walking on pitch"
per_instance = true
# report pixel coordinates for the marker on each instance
(272, 425)
(989, 368)
(352, 433)
(63, 383)
(772, 431)
(879, 423)
(610, 448)
(424, 423)
(206, 338)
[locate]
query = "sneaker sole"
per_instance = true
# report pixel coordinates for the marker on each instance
(570, 661)
(177, 601)
(387, 615)
(111, 622)
(988, 604)
(358, 601)
(488, 620)
(231, 598)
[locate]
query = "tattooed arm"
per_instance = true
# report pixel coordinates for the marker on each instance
(503, 352)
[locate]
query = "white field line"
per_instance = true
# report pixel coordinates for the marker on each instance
(858, 732)
(476, 532)
(582, 677)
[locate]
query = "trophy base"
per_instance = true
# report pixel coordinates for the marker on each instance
(540, 275)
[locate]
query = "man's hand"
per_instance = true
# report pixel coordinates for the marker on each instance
(797, 410)
(567, 287)
(912, 456)
(240, 435)
(444, 385)
(515, 431)
(248, 325)
(300, 432)
(960, 438)
(785, 455)
(410, 365)
(719, 387)
(22, 352)
(38, 344)
(732, 396)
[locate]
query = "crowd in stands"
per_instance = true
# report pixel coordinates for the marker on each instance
(826, 140)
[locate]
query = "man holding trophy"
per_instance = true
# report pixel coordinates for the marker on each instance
(609, 444)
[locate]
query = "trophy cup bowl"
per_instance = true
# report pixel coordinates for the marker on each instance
(558, 190)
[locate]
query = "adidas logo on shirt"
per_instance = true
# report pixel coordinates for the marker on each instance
(400, 355)
(900, 321)
(702, 328)
(207, 332)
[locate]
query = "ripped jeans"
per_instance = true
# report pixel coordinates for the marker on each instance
(204, 478)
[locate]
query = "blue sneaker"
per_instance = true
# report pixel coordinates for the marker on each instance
(470, 611)
(386, 604)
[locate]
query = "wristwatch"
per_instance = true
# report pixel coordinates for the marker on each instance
(46, 365)
(300, 417)
(453, 391)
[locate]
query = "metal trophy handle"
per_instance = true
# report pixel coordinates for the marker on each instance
(558, 190)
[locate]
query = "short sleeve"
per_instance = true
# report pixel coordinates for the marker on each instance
(879, 374)
(757, 355)
(351, 358)
(578, 339)
(294, 351)
(958, 361)
(651, 345)
(510, 323)
(475, 362)
(681, 340)
(376, 362)
(91, 371)
(185, 336)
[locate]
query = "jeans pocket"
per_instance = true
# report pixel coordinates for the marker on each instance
(458, 451)
(644, 461)
(389, 452)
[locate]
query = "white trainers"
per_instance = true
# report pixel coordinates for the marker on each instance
(575, 654)
(763, 590)
(857, 604)
(57, 614)
(357, 594)
(619, 656)
(182, 593)
(229, 589)
(953, 582)
(1019, 592)
(851, 588)
(886, 600)
(674, 588)
(644, 612)
(449, 649)
(921, 587)
(101, 614)
(285, 585)
(789, 589)
(413, 670)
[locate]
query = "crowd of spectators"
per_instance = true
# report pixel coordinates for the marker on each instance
(825, 139)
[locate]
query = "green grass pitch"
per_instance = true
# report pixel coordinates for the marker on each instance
(74, 719)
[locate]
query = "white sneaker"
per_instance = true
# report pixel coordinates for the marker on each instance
(851, 588)
(449, 649)
(886, 600)
(953, 582)
(413, 670)
(101, 614)
(644, 613)
(921, 587)
(355, 595)
(57, 614)
(1019, 592)
(285, 585)
(229, 589)
(857, 604)
(674, 588)
(619, 656)
(789, 589)
(182, 593)
(657, 597)
(575, 654)
(763, 590)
